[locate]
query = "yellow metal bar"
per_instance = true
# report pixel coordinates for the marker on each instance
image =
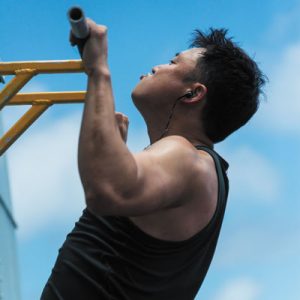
(14, 86)
(20, 126)
(53, 97)
(42, 67)
(24, 71)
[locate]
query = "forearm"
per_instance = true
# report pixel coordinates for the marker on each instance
(106, 166)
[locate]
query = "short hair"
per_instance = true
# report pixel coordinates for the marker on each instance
(233, 80)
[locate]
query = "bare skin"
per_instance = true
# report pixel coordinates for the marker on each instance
(168, 190)
(178, 223)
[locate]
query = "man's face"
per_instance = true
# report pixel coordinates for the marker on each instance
(166, 82)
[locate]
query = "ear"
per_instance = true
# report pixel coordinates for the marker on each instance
(199, 92)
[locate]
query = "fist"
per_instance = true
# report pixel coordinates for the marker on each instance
(94, 54)
(123, 123)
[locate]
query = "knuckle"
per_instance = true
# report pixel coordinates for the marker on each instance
(101, 30)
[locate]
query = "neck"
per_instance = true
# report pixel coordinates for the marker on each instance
(175, 120)
(193, 132)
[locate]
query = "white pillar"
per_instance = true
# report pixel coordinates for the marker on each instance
(9, 276)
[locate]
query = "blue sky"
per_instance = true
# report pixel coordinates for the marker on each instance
(258, 253)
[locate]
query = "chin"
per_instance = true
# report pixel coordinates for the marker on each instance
(138, 94)
(134, 96)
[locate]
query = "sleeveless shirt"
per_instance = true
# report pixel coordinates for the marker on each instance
(109, 257)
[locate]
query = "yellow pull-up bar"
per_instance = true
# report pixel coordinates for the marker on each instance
(23, 72)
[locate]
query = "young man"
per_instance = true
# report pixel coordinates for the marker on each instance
(153, 219)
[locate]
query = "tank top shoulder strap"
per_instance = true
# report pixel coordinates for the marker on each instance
(221, 168)
(215, 155)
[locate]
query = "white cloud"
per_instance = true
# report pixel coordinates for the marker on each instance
(282, 109)
(284, 23)
(35, 85)
(45, 185)
(252, 176)
(280, 114)
(239, 289)
(263, 242)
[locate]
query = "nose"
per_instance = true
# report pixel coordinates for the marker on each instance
(154, 69)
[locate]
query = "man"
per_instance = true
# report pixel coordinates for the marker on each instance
(153, 219)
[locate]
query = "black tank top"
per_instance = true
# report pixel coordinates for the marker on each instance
(111, 258)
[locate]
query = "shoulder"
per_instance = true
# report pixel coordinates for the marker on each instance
(173, 152)
(176, 146)
(181, 158)
(172, 140)
(197, 165)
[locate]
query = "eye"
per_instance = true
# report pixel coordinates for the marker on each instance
(171, 62)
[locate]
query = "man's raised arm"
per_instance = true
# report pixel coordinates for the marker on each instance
(114, 180)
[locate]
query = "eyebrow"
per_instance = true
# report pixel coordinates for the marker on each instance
(177, 56)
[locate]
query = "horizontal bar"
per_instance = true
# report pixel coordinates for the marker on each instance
(46, 67)
(52, 97)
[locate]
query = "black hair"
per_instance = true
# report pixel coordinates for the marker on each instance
(233, 82)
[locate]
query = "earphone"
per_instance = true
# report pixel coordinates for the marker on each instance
(189, 94)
